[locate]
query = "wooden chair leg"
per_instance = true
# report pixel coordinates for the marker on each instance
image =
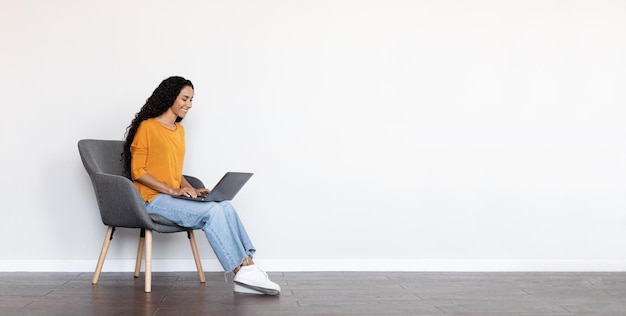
(196, 256)
(140, 253)
(103, 253)
(148, 273)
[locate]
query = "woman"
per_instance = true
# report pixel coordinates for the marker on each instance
(153, 155)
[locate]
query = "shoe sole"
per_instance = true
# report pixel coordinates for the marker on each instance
(246, 290)
(263, 290)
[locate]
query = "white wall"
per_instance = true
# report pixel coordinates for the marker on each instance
(384, 135)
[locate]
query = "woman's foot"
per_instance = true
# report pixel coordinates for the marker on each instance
(251, 277)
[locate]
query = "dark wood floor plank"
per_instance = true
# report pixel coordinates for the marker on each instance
(318, 293)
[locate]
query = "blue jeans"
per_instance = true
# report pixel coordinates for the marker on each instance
(218, 220)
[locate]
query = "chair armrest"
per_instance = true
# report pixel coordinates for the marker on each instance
(195, 182)
(119, 202)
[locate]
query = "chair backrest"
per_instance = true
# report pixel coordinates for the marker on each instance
(104, 156)
(119, 201)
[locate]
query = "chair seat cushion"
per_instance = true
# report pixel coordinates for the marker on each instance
(161, 220)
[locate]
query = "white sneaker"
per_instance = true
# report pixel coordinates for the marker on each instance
(246, 290)
(252, 277)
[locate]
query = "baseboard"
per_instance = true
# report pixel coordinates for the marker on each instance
(212, 265)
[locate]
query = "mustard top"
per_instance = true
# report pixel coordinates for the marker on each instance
(160, 152)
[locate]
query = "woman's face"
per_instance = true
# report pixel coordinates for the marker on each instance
(182, 104)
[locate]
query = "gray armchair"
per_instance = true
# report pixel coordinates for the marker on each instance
(121, 205)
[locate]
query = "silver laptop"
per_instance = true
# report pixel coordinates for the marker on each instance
(224, 190)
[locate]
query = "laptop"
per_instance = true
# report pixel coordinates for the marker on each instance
(224, 190)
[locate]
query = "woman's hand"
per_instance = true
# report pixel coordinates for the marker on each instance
(191, 192)
(202, 192)
(188, 190)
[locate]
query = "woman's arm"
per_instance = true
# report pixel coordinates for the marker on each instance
(186, 189)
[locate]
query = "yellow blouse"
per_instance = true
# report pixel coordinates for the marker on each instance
(160, 152)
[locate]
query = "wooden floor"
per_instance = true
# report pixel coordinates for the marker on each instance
(318, 293)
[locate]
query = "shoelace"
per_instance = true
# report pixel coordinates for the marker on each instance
(264, 273)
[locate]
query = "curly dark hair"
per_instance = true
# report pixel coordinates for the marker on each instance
(158, 103)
